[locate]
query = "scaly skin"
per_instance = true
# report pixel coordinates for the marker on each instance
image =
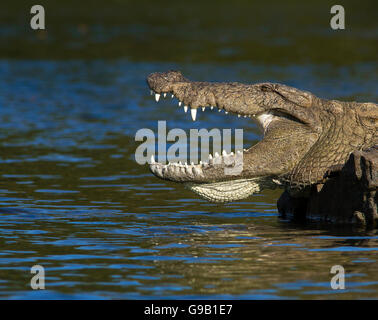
(304, 136)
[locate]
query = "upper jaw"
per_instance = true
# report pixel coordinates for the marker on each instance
(186, 105)
(162, 82)
(195, 95)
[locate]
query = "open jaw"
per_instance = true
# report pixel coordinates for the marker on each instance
(220, 177)
(217, 178)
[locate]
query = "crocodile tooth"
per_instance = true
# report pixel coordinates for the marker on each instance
(158, 170)
(231, 153)
(226, 112)
(210, 156)
(216, 155)
(203, 108)
(224, 153)
(151, 92)
(180, 103)
(238, 115)
(186, 109)
(211, 107)
(219, 110)
(157, 97)
(164, 94)
(152, 159)
(192, 164)
(172, 96)
(200, 162)
(245, 116)
(193, 112)
(238, 152)
(197, 170)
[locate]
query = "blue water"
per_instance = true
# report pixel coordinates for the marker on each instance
(73, 199)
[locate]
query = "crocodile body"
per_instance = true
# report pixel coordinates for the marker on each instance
(305, 137)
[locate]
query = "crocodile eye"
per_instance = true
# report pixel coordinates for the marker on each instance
(265, 88)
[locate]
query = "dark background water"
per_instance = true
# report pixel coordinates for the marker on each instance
(72, 198)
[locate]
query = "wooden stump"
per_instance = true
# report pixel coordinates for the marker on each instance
(349, 196)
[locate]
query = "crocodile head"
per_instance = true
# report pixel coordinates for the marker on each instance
(304, 136)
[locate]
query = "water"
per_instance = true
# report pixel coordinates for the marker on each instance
(72, 197)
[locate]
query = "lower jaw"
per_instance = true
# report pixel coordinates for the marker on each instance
(232, 190)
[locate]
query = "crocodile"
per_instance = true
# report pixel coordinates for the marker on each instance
(304, 137)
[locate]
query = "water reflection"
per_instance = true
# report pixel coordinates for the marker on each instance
(73, 199)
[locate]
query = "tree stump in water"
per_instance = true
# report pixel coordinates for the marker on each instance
(349, 196)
